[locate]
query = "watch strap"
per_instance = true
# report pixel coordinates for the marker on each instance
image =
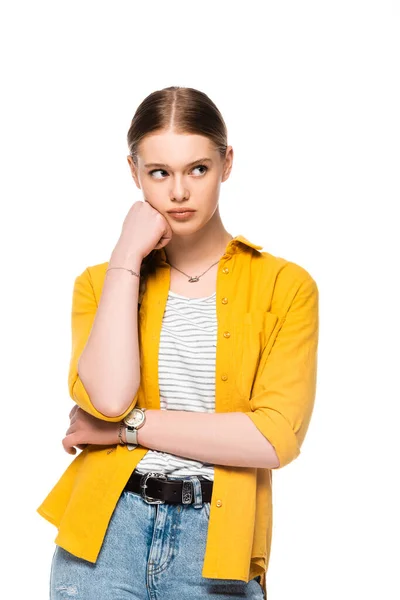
(131, 437)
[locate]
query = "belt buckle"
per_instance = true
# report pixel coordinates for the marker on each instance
(143, 486)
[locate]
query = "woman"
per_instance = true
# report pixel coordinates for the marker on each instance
(185, 406)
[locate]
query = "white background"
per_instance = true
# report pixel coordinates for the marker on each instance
(310, 95)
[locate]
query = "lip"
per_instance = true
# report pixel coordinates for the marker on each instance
(182, 215)
(179, 212)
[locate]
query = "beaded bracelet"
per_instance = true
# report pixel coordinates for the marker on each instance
(130, 270)
(121, 441)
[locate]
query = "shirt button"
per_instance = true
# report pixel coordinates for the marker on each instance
(226, 270)
(219, 503)
(224, 377)
(224, 300)
(227, 334)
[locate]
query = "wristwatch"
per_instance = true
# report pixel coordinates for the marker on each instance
(134, 421)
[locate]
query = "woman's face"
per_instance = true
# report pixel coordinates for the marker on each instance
(181, 171)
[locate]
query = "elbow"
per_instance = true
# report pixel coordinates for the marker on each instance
(106, 401)
(98, 405)
(274, 465)
(272, 461)
(283, 446)
(114, 409)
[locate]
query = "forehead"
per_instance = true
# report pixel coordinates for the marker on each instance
(175, 149)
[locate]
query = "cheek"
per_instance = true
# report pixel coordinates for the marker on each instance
(153, 194)
(208, 186)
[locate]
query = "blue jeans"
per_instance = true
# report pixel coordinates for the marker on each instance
(150, 552)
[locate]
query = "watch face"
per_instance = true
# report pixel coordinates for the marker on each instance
(134, 418)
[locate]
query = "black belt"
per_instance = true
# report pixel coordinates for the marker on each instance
(155, 488)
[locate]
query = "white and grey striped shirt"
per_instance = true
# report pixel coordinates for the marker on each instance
(186, 373)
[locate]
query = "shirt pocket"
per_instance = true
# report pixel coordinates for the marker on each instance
(252, 334)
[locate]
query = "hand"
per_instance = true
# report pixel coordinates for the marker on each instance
(85, 429)
(144, 229)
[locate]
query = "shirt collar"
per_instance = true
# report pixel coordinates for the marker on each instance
(232, 247)
(241, 238)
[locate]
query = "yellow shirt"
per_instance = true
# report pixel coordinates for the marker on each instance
(266, 367)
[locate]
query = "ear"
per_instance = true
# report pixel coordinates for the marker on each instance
(134, 171)
(228, 161)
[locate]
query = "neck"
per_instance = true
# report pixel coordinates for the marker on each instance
(201, 248)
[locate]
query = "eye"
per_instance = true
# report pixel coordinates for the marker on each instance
(156, 171)
(201, 167)
(151, 173)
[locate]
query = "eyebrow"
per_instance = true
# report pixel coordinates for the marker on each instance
(202, 160)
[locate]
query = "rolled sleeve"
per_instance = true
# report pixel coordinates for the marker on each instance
(284, 389)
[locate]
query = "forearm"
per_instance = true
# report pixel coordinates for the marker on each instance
(218, 438)
(109, 366)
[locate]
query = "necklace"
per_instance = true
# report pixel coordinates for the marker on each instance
(193, 278)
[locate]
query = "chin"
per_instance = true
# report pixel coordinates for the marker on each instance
(183, 229)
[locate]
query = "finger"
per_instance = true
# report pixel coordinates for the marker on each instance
(69, 442)
(68, 447)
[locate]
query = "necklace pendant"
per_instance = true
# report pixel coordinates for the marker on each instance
(194, 279)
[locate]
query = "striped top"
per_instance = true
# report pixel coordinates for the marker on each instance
(186, 374)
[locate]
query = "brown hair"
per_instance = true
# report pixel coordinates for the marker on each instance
(186, 110)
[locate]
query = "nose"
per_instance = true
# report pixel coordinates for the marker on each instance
(179, 191)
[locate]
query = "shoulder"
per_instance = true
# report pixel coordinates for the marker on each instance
(282, 279)
(284, 269)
